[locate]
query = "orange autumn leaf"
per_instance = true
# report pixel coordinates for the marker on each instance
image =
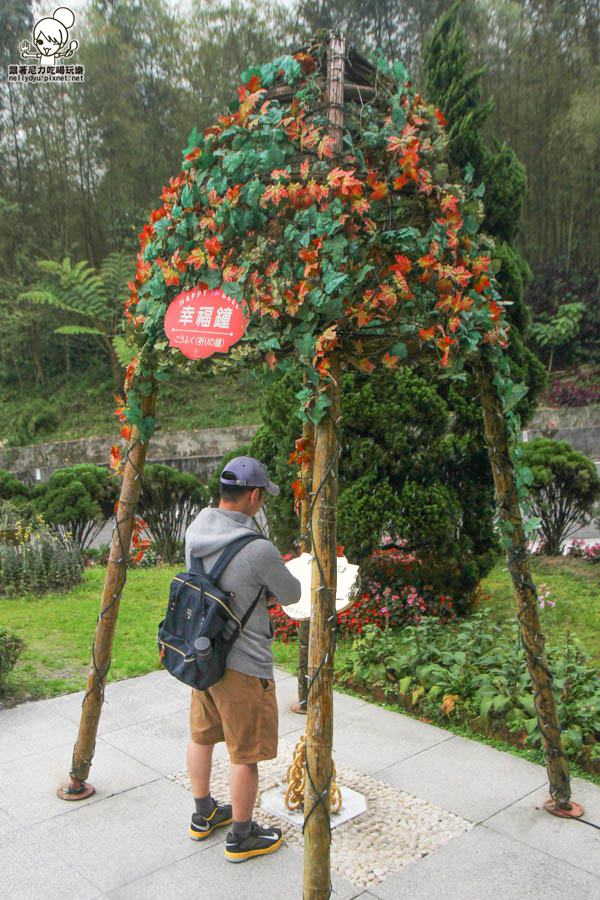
(426, 333)
(115, 458)
(441, 118)
(307, 62)
(387, 296)
(400, 181)
(254, 83)
(299, 493)
(448, 704)
(130, 371)
(213, 245)
(390, 361)
(495, 310)
(326, 147)
(365, 365)
(196, 258)
(394, 143)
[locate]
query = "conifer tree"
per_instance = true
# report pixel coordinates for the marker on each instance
(456, 89)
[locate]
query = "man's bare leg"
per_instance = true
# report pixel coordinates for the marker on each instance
(199, 764)
(243, 781)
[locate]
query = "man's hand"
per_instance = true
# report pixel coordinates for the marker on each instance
(271, 600)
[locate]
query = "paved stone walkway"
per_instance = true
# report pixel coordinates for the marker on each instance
(130, 839)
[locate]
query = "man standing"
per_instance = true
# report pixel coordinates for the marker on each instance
(241, 708)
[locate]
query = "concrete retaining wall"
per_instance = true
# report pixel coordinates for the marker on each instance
(191, 451)
(200, 451)
(580, 427)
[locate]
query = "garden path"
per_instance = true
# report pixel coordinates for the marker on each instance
(130, 839)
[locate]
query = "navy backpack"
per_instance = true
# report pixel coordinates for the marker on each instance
(199, 627)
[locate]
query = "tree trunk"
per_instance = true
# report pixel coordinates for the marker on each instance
(117, 370)
(39, 372)
(496, 435)
(67, 357)
(109, 608)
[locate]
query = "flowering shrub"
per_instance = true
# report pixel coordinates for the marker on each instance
(284, 628)
(581, 550)
(572, 393)
(390, 596)
(544, 596)
(393, 593)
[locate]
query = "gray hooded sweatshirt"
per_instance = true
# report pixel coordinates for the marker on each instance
(258, 565)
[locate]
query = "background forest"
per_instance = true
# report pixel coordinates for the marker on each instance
(82, 166)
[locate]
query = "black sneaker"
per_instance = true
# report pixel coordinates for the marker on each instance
(201, 827)
(259, 842)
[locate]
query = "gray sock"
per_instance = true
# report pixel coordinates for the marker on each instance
(204, 805)
(241, 830)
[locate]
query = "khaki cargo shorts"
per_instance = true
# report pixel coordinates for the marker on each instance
(241, 710)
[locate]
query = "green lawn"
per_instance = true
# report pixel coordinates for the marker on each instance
(59, 628)
(575, 588)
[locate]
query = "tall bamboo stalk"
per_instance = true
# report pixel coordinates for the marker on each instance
(304, 627)
(83, 751)
(507, 500)
(319, 729)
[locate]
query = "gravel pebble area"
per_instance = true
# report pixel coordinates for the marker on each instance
(396, 829)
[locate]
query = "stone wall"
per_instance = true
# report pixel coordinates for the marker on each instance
(579, 426)
(191, 451)
(200, 451)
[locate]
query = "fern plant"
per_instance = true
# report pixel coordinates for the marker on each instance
(91, 300)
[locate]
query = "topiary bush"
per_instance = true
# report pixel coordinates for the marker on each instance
(11, 488)
(412, 465)
(11, 648)
(563, 487)
(169, 500)
(77, 501)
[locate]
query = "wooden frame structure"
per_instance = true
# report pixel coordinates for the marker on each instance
(321, 513)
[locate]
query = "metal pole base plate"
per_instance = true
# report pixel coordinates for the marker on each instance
(68, 792)
(299, 708)
(571, 810)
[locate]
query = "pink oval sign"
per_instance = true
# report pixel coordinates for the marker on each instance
(200, 322)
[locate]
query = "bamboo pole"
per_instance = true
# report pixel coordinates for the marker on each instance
(496, 435)
(77, 788)
(304, 627)
(319, 728)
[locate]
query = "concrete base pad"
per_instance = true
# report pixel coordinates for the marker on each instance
(353, 804)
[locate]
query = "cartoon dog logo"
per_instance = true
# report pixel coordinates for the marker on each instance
(50, 37)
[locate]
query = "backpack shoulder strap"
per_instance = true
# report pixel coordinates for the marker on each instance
(251, 608)
(196, 565)
(230, 551)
